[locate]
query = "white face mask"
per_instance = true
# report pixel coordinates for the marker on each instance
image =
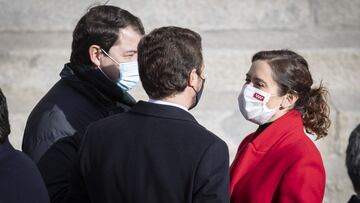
(129, 74)
(252, 105)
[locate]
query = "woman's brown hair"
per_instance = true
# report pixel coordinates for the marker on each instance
(291, 73)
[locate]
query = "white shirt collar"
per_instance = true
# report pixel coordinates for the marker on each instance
(167, 103)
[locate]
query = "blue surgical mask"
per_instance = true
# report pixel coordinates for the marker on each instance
(129, 74)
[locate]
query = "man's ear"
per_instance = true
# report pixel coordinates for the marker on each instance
(95, 54)
(289, 100)
(193, 77)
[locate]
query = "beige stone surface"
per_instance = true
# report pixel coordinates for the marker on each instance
(35, 39)
(335, 14)
(39, 15)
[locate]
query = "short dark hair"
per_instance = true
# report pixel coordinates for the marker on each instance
(100, 26)
(353, 158)
(291, 73)
(4, 118)
(166, 57)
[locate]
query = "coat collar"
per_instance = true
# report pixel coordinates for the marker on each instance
(287, 123)
(162, 111)
(95, 85)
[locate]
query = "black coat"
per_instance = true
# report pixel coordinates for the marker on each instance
(154, 153)
(354, 199)
(82, 95)
(20, 180)
(56, 166)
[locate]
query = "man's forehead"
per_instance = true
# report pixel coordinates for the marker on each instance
(128, 33)
(128, 39)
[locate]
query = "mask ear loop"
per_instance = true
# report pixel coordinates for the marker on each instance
(102, 50)
(188, 82)
(265, 102)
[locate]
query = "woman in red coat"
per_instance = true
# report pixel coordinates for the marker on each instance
(278, 162)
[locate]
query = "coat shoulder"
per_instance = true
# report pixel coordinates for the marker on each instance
(302, 148)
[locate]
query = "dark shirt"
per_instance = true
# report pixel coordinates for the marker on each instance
(261, 128)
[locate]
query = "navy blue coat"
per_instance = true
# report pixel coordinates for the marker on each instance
(82, 95)
(20, 180)
(54, 128)
(354, 199)
(153, 153)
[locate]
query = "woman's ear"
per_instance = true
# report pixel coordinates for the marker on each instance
(289, 101)
(95, 54)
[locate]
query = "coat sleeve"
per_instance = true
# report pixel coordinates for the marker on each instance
(43, 130)
(29, 184)
(56, 164)
(303, 182)
(212, 176)
(77, 190)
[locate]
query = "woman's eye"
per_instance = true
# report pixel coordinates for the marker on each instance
(247, 81)
(259, 85)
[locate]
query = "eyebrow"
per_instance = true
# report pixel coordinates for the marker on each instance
(256, 79)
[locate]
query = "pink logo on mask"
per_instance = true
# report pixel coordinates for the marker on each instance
(258, 96)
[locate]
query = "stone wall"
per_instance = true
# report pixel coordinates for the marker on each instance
(35, 37)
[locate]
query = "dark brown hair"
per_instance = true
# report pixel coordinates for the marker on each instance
(166, 57)
(100, 26)
(291, 72)
(4, 119)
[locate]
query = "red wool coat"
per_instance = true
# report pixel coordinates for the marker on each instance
(279, 165)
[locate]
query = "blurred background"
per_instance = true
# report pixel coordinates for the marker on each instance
(35, 41)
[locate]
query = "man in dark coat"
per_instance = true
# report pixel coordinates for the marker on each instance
(157, 152)
(353, 163)
(90, 87)
(20, 180)
(93, 85)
